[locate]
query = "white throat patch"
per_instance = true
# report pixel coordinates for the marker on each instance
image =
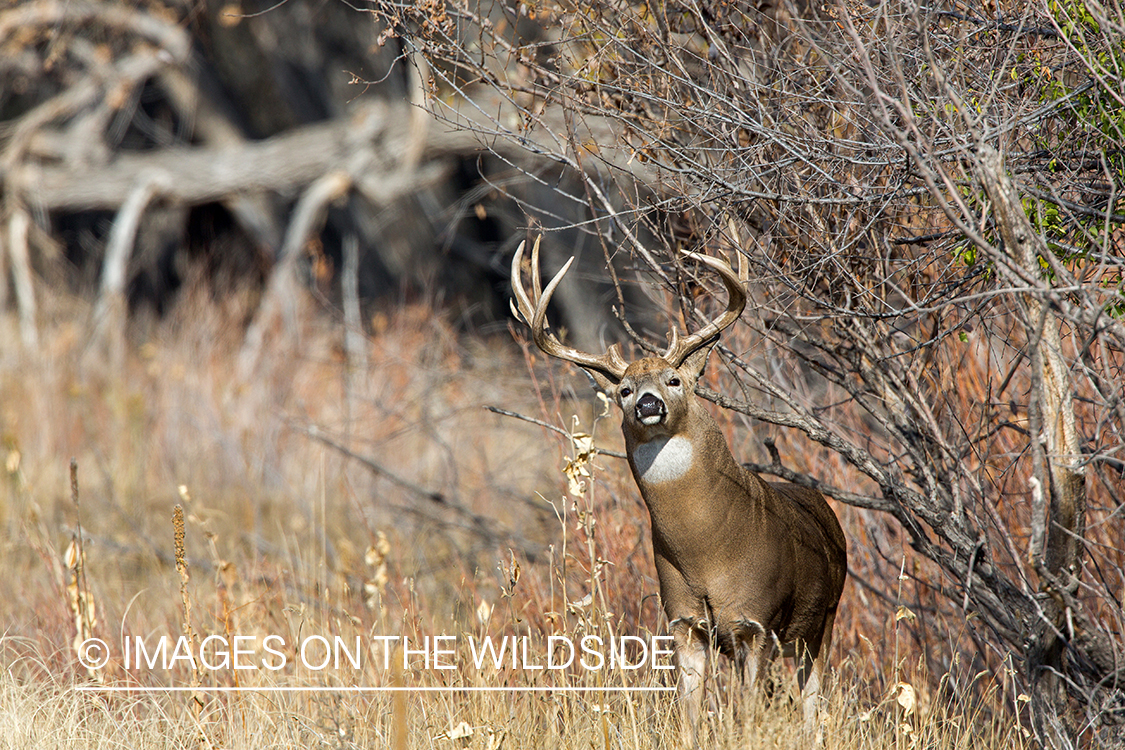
(663, 459)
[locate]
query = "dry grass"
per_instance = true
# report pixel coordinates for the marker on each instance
(285, 535)
(37, 712)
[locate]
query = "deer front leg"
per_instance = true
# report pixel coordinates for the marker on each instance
(756, 649)
(692, 657)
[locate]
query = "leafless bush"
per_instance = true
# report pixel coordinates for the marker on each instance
(931, 195)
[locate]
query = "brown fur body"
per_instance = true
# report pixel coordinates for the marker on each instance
(743, 564)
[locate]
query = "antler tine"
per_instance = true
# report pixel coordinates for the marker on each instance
(533, 311)
(679, 349)
(522, 309)
(536, 289)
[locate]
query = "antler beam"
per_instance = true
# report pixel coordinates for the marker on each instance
(533, 311)
(679, 349)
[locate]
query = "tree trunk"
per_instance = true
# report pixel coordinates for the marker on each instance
(1058, 481)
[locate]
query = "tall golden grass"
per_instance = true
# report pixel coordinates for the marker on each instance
(454, 521)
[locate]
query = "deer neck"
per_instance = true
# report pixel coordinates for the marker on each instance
(686, 470)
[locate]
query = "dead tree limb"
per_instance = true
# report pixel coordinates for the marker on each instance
(19, 225)
(110, 308)
(283, 284)
(283, 164)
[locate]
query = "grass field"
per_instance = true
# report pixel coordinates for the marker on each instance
(446, 519)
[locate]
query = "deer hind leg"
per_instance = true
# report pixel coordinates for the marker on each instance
(811, 676)
(690, 646)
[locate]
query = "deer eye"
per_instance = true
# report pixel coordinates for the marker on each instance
(674, 383)
(626, 392)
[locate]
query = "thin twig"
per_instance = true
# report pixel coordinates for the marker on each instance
(551, 427)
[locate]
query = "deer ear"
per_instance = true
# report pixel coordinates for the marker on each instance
(604, 382)
(695, 362)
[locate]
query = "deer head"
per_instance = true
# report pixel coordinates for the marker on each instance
(652, 391)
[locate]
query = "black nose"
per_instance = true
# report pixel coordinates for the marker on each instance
(649, 405)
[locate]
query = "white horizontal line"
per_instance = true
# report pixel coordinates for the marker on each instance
(388, 689)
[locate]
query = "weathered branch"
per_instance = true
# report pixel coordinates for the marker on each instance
(53, 13)
(109, 312)
(121, 237)
(282, 164)
(283, 285)
(19, 224)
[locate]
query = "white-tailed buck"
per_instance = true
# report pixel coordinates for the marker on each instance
(745, 566)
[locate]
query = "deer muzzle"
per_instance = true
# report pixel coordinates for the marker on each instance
(650, 409)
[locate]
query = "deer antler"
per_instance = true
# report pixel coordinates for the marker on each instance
(533, 311)
(679, 349)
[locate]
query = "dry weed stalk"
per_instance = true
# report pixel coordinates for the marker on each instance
(185, 599)
(373, 588)
(77, 588)
(227, 583)
(399, 718)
